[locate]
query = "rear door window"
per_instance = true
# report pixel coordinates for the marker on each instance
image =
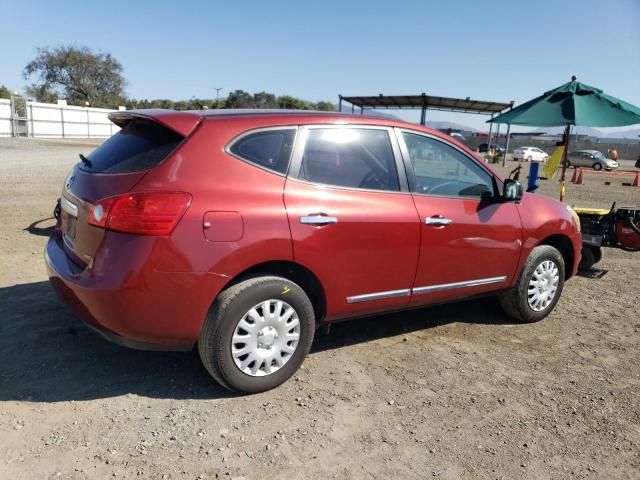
(350, 157)
(270, 149)
(139, 145)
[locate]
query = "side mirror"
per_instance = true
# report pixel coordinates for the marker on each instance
(511, 191)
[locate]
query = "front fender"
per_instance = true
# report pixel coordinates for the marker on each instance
(545, 221)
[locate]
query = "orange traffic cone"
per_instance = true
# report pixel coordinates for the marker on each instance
(575, 175)
(636, 181)
(579, 180)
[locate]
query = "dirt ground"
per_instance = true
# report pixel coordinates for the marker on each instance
(455, 391)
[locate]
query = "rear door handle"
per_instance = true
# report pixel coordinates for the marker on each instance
(437, 221)
(318, 219)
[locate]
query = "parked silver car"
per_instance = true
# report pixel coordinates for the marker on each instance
(591, 158)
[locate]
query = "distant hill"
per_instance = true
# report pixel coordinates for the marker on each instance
(371, 112)
(436, 125)
(594, 132)
(439, 125)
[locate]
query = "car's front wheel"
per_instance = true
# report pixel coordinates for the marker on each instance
(538, 288)
(597, 166)
(257, 334)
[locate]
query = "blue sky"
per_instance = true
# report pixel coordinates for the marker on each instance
(490, 50)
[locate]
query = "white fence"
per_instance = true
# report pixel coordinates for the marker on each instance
(46, 120)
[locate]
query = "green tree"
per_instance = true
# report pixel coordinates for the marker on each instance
(78, 74)
(41, 94)
(239, 99)
(326, 106)
(236, 99)
(4, 92)
(264, 100)
(294, 103)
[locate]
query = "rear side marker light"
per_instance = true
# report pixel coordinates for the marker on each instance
(144, 213)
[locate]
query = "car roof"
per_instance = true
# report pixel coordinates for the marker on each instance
(184, 121)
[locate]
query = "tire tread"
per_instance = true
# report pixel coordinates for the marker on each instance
(211, 343)
(512, 301)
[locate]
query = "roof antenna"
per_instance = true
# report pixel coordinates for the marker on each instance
(573, 78)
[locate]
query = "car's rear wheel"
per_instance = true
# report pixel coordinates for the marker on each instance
(597, 166)
(538, 288)
(529, 158)
(257, 334)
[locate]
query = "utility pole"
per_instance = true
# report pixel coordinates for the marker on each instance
(218, 96)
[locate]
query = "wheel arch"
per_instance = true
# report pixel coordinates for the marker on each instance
(295, 272)
(563, 244)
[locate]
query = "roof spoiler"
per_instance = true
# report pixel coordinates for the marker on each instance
(180, 122)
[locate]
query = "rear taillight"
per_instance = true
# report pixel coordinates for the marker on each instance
(146, 213)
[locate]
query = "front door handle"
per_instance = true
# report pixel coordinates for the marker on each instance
(318, 219)
(437, 221)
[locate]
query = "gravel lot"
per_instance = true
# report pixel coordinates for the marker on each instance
(454, 391)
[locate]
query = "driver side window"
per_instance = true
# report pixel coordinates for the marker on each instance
(440, 169)
(350, 157)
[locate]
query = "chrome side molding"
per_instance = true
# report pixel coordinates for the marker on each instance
(420, 290)
(468, 283)
(379, 296)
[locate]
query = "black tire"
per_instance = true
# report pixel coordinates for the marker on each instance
(514, 301)
(597, 252)
(597, 166)
(214, 344)
(588, 258)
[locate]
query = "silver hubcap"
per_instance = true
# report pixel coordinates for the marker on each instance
(265, 338)
(543, 285)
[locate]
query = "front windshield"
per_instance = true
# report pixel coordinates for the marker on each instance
(598, 154)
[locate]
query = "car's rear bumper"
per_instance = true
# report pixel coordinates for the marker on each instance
(130, 303)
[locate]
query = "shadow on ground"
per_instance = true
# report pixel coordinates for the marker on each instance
(47, 355)
(594, 273)
(42, 228)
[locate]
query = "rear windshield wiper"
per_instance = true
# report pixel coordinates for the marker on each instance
(85, 160)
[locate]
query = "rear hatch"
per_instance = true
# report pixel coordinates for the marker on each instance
(114, 168)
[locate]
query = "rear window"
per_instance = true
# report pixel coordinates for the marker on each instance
(140, 145)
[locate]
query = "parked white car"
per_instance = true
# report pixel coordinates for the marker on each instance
(530, 154)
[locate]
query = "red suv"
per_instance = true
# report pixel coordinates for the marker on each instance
(242, 231)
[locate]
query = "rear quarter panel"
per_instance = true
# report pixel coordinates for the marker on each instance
(222, 187)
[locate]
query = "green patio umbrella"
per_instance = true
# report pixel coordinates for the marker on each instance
(573, 103)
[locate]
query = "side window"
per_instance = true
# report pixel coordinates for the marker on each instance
(350, 157)
(268, 148)
(440, 169)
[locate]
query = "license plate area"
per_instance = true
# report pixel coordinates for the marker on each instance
(69, 219)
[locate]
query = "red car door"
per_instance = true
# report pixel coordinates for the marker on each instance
(470, 240)
(352, 219)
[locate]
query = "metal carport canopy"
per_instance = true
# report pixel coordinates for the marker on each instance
(427, 102)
